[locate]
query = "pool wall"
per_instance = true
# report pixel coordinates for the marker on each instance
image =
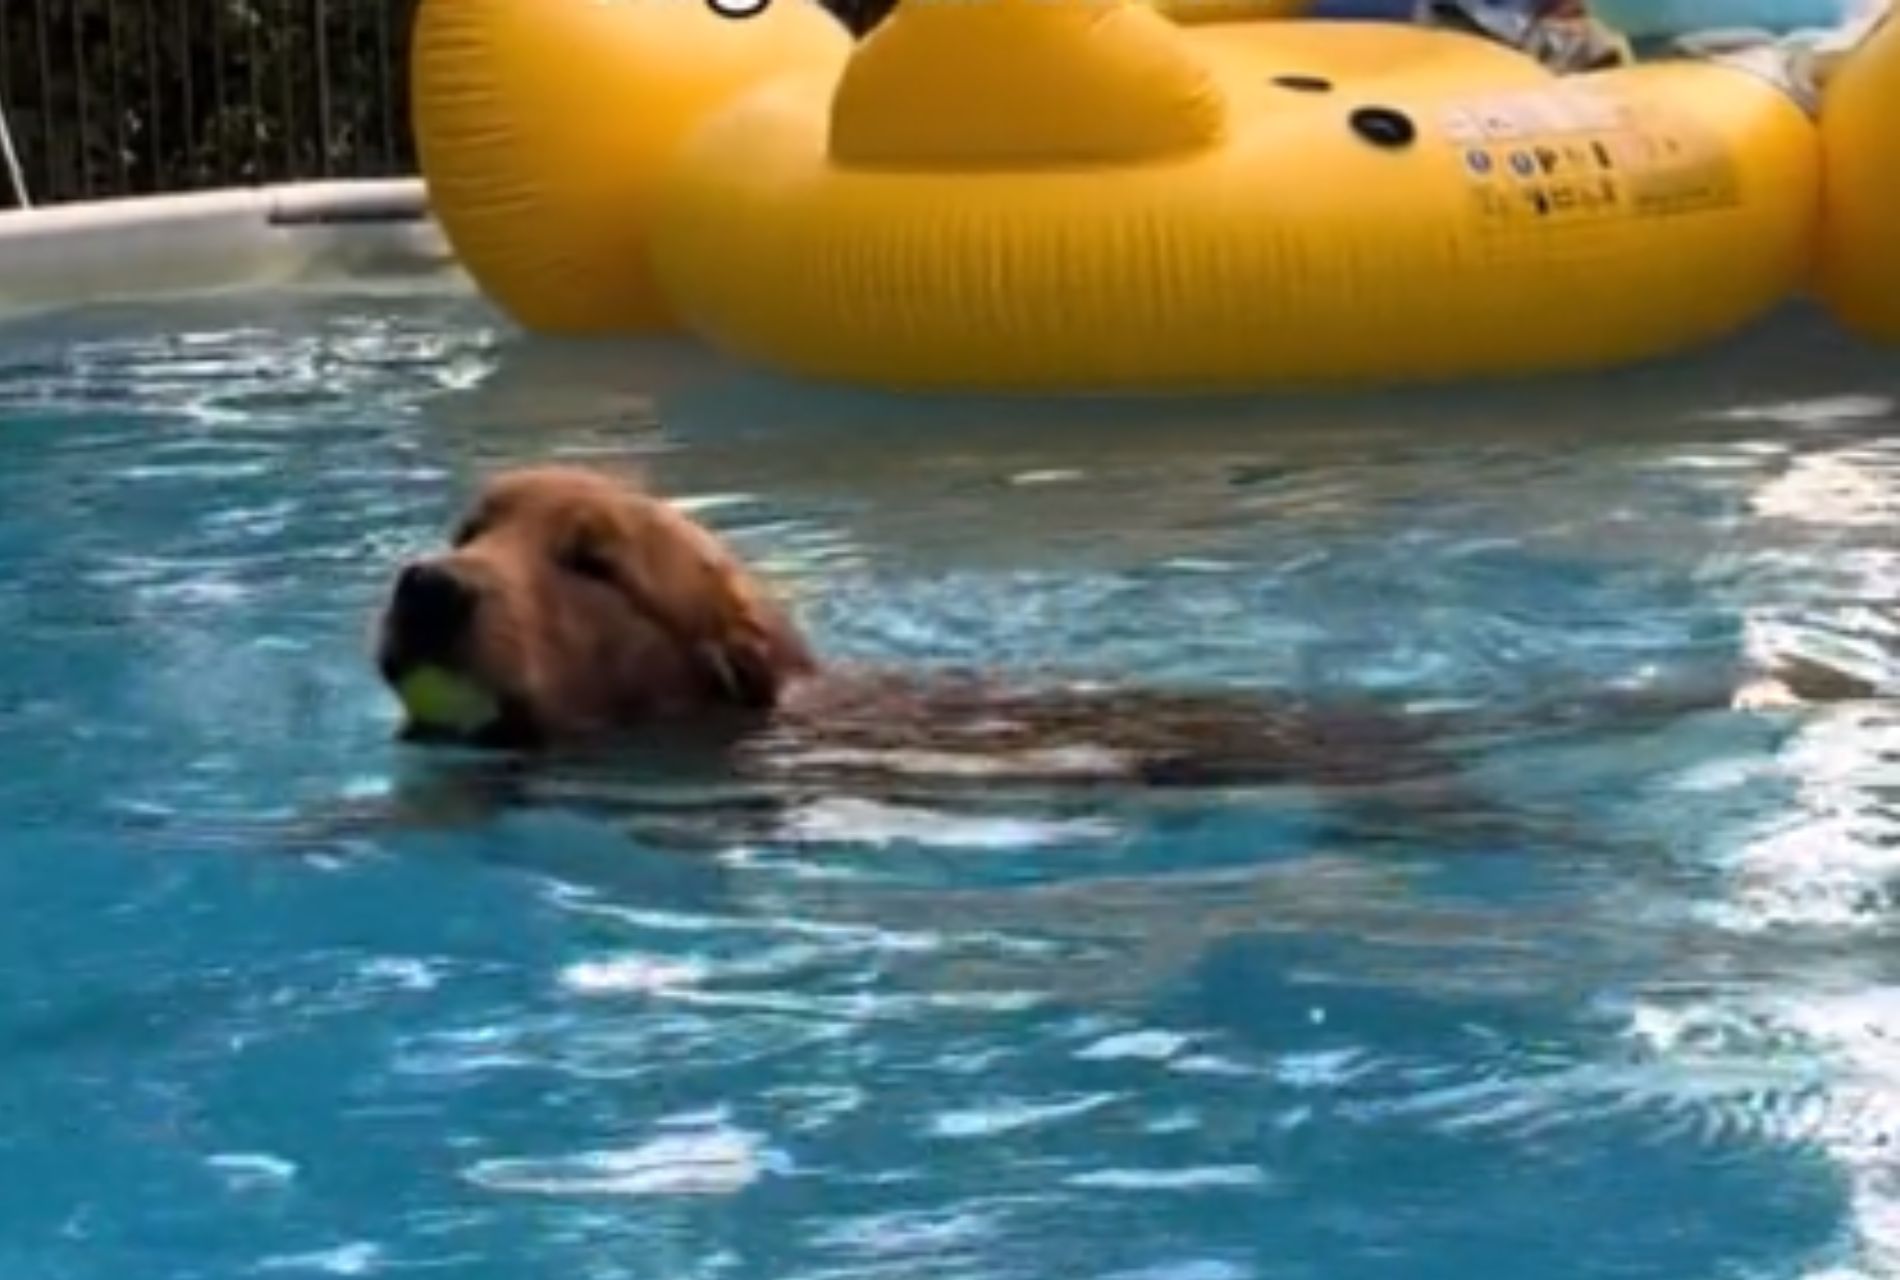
(153, 246)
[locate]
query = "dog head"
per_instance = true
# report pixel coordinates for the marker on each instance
(573, 604)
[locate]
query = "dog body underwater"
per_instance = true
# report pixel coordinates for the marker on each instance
(581, 612)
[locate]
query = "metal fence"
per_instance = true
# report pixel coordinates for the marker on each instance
(120, 97)
(125, 97)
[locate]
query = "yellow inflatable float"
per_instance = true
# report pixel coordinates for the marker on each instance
(1093, 194)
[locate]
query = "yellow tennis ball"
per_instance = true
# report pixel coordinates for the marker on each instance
(441, 699)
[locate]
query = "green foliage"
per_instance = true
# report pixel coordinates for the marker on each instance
(112, 97)
(120, 97)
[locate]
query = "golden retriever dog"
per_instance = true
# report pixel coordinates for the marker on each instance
(584, 608)
(581, 610)
(573, 610)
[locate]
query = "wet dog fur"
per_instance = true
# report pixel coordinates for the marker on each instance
(601, 617)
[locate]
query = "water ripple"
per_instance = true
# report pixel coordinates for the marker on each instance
(713, 1163)
(877, 1028)
(1004, 1117)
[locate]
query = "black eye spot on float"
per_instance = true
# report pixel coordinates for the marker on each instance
(1383, 126)
(1304, 84)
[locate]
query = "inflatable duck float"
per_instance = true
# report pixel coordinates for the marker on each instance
(1131, 194)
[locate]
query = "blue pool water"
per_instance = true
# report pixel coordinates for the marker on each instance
(1640, 1022)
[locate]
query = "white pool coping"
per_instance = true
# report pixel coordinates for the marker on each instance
(151, 247)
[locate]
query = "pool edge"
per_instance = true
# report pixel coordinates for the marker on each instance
(152, 247)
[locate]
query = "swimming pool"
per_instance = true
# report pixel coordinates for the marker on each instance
(1644, 1026)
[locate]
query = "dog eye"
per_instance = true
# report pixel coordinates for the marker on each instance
(465, 533)
(587, 562)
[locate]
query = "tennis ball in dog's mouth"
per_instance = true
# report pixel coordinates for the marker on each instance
(441, 699)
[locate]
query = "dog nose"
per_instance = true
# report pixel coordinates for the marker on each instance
(432, 603)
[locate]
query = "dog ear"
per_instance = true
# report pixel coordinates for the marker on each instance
(684, 577)
(742, 659)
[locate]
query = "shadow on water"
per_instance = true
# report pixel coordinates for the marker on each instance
(1014, 475)
(708, 401)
